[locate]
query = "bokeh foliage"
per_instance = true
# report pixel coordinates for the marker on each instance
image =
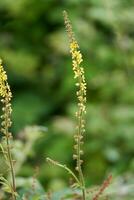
(34, 47)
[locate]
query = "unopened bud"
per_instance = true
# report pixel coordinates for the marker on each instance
(77, 168)
(74, 157)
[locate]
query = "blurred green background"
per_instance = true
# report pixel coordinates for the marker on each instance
(35, 51)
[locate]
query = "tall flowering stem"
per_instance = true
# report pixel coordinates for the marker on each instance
(6, 95)
(81, 96)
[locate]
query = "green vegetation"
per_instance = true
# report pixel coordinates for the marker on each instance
(34, 49)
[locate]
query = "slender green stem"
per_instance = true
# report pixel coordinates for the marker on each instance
(12, 169)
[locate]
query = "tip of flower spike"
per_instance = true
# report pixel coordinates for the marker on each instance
(65, 15)
(64, 11)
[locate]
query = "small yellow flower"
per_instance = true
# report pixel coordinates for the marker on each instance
(74, 45)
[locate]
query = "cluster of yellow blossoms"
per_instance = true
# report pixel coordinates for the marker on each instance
(6, 96)
(3, 78)
(81, 91)
(79, 74)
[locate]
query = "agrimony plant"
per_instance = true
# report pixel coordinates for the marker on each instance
(6, 95)
(81, 97)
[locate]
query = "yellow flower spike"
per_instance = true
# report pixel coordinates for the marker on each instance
(6, 95)
(81, 96)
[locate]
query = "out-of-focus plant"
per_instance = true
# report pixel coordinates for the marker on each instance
(29, 135)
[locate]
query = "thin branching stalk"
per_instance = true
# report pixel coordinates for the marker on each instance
(66, 168)
(6, 95)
